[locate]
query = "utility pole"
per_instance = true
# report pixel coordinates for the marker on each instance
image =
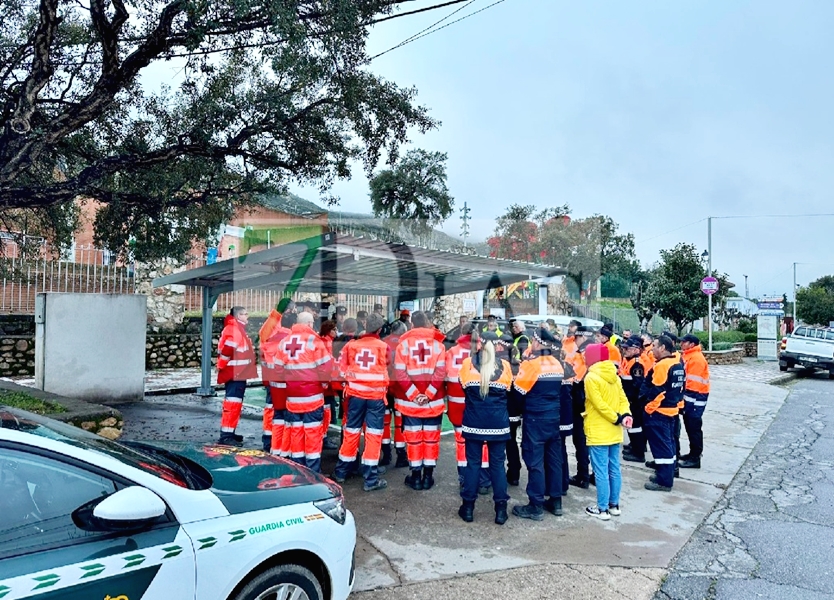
(746, 289)
(465, 220)
(794, 295)
(709, 274)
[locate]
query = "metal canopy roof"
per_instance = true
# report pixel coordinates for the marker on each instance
(333, 263)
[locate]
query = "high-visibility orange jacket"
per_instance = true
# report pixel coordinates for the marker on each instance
(614, 354)
(539, 381)
(363, 364)
(305, 366)
(647, 358)
(420, 368)
(235, 354)
(574, 358)
(663, 387)
(697, 374)
(270, 326)
(454, 361)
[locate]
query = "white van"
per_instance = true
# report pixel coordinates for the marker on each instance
(561, 320)
(809, 347)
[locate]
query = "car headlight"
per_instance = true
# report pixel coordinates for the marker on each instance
(333, 508)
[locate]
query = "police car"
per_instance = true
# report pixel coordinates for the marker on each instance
(85, 518)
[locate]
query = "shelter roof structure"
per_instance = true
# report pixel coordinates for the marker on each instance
(337, 264)
(333, 263)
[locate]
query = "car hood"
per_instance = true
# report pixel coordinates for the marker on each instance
(247, 480)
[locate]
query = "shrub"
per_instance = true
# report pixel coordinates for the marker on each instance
(722, 345)
(718, 337)
(751, 337)
(747, 325)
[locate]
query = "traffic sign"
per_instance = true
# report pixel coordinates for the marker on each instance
(709, 285)
(771, 305)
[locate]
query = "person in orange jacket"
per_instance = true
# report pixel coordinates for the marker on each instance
(235, 364)
(392, 415)
(327, 332)
(273, 321)
(276, 400)
(364, 367)
(420, 368)
(606, 336)
(695, 396)
(305, 365)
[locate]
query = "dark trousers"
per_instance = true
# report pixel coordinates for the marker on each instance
(677, 433)
(471, 472)
(636, 434)
(583, 460)
(513, 457)
(541, 448)
(660, 431)
(565, 469)
(695, 433)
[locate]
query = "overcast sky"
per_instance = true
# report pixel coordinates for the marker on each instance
(656, 113)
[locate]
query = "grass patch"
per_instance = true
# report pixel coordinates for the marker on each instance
(24, 401)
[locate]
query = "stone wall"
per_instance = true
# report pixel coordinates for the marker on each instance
(166, 305)
(558, 301)
(167, 351)
(17, 355)
(448, 309)
(725, 357)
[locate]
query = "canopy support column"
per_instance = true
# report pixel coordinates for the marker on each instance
(206, 389)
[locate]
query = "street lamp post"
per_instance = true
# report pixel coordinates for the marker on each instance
(709, 274)
(794, 295)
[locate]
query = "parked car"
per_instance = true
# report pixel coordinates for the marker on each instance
(85, 517)
(809, 347)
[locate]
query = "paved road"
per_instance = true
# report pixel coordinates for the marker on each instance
(772, 534)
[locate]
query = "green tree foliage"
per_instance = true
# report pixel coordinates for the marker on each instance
(515, 234)
(270, 92)
(675, 286)
(413, 192)
(642, 302)
(815, 303)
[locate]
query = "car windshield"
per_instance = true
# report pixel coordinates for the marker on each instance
(162, 463)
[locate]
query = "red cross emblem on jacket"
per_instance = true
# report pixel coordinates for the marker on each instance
(293, 346)
(422, 353)
(366, 359)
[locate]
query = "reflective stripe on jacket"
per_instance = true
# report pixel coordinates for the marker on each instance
(486, 418)
(455, 356)
(539, 381)
(235, 354)
(305, 366)
(420, 368)
(697, 375)
(663, 387)
(364, 365)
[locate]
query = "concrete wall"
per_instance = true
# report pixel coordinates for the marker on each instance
(91, 346)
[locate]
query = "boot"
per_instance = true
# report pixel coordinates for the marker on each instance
(402, 459)
(632, 457)
(229, 439)
(501, 513)
(385, 459)
(467, 511)
(690, 463)
(428, 478)
(529, 511)
(414, 481)
(579, 482)
(266, 440)
(554, 505)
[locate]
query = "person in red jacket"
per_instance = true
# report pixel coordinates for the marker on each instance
(391, 413)
(420, 370)
(276, 399)
(235, 364)
(305, 365)
(327, 332)
(364, 366)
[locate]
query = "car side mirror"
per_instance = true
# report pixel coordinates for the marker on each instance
(128, 509)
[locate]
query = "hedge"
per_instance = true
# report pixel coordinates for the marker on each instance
(751, 337)
(718, 337)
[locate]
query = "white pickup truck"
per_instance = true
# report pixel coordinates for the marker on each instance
(811, 348)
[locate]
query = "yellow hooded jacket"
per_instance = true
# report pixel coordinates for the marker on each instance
(605, 401)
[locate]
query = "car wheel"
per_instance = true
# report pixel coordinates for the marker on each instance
(284, 582)
(831, 374)
(783, 367)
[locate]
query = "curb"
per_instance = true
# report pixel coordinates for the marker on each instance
(784, 379)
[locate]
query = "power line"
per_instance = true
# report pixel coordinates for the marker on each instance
(772, 216)
(671, 231)
(425, 9)
(432, 26)
(424, 34)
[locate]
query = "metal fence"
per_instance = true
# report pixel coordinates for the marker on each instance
(622, 318)
(23, 279)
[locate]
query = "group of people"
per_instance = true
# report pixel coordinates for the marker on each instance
(584, 384)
